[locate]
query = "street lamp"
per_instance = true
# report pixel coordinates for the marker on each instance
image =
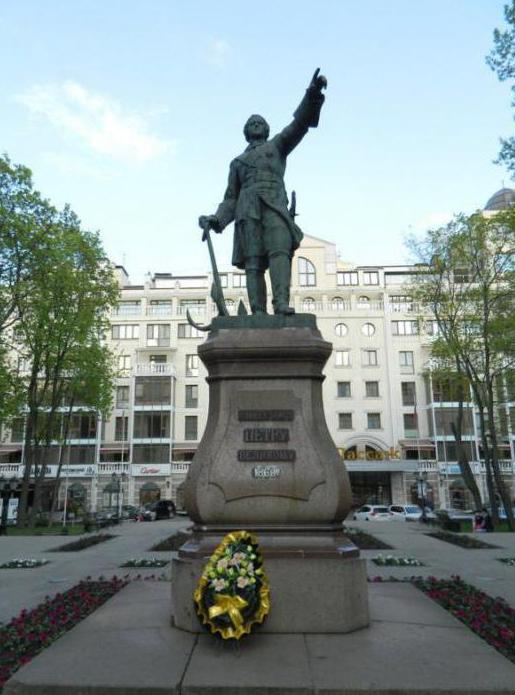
(6, 487)
(116, 482)
(421, 492)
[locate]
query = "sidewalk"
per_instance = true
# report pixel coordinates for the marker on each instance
(26, 588)
(478, 567)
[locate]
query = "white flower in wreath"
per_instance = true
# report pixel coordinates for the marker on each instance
(250, 568)
(219, 584)
(242, 582)
(222, 564)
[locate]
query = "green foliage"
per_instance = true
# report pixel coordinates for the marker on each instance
(502, 61)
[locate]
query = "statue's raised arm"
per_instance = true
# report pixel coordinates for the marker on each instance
(265, 234)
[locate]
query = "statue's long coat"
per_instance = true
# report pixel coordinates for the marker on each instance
(256, 178)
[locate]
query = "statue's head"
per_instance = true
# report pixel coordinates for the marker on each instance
(256, 128)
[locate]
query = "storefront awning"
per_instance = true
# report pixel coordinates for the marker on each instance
(417, 443)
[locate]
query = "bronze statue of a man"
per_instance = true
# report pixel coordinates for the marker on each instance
(265, 234)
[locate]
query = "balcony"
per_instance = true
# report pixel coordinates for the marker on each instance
(126, 311)
(159, 310)
(154, 369)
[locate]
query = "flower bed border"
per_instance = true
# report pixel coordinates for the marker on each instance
(364, 540)
(37, 563)
(32, 631)
(153, 562)
(391, 561)
(461, 541)
(171, 543)
(82, 543)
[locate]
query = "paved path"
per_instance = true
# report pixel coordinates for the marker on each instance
(478, 567)
(25, 588)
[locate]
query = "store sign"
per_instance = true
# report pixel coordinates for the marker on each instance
(152, 469)
(71, 471)
(352, 455)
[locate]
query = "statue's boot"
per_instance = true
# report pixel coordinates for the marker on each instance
(280, 275)
(256, 290)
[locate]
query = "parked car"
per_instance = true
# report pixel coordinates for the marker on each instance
(372, 512)
(160, 509)
(129, 511)
(410, 512)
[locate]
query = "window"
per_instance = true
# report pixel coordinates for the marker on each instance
(344, 421)
(337, 304)
(374, 421)
(432, 327)
(223, 280)
(410, 424)
(125, 331)
(151, 425)
(122, 396)
(83, 426)
(341, 330)
(151, 453)
(342, 358)
(343, 389)
(82, 454)
(157, 359)
(368, 329)
(404, 328)
(124, 362)
(308, 304)
(128, 308)
(307, 274)
(406, 362)
(409, 395)
(372, 389)
(347, 278)
(121, 429)
(158, 334)
(159, 307)
(191, 396)
(239, 280)
(401, 302)
(195, 306)
(363, 302)
(370, 358)
(184, 330)
(370, 278)
(152, 390)
(17, 429)
(191, 365)
(190, 427)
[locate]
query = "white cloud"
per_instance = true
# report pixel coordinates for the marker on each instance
(218, 53)
(96, 120)
(433, 220)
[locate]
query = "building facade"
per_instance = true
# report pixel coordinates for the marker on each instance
(389, 421)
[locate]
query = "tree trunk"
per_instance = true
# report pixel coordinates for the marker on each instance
(499, 480)
(463, 462)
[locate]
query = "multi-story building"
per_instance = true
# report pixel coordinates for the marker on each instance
(388, 419)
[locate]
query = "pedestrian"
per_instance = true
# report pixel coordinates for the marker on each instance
(487, 521)
(479, 522)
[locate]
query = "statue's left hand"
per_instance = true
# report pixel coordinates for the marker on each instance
(318, 81)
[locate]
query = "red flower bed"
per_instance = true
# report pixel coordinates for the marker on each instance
(491, 618)
(29, 633)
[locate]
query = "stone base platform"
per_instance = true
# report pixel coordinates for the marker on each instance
(318, 568)
(128, 648)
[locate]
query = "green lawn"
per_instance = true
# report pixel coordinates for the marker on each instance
(54, 530)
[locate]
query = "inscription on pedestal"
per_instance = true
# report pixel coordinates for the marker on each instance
(266, 434)
(266, 472)
(265, 415)
(266, 455)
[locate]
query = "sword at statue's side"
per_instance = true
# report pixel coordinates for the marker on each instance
(217, 294)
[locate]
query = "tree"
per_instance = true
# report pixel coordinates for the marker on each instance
(57, 289)
(469, 287)
(502, 61)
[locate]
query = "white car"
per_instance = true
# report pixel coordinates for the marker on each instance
(406, 512)
(372, 512)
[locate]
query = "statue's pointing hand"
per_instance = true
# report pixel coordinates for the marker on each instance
(207, 222)
(318, 81)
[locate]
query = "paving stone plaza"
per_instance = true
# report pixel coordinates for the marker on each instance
(424, 642)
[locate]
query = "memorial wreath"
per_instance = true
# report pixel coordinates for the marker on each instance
(233, 593)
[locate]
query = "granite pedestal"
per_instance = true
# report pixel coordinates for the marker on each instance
(267, 464)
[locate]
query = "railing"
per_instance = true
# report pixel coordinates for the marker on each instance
(427, 466)
(159, 310)
(180, 467)
(126, 311)
(109, 468)
(154, 368)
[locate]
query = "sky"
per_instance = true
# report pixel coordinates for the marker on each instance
(130, 111)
